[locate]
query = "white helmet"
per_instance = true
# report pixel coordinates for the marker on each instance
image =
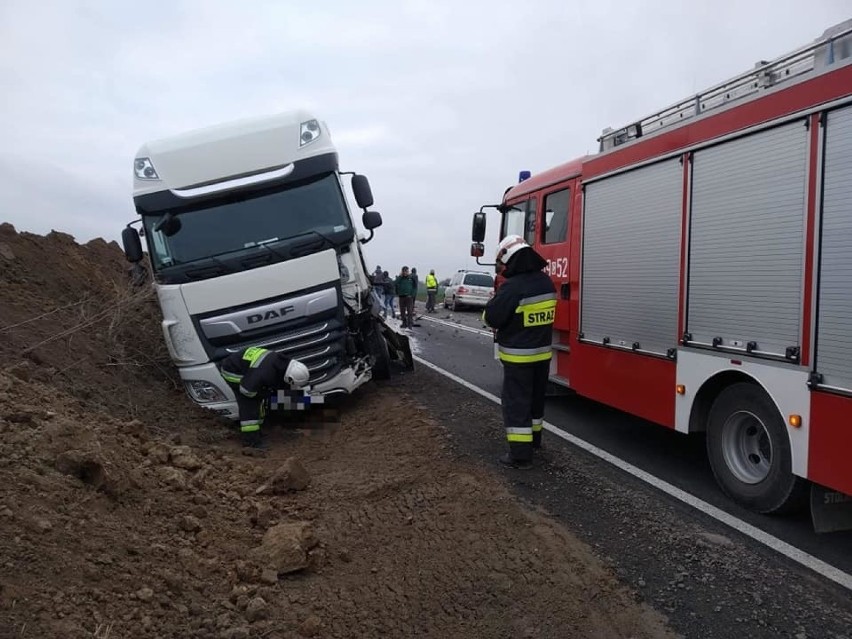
(508, 246)
(297, 374)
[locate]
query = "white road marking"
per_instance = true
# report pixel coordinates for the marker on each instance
(461, 327)
(791, 552)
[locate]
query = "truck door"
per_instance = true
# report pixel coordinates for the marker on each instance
(551, 242)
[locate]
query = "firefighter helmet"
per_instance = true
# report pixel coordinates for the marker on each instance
(508, 246)
(297, 374)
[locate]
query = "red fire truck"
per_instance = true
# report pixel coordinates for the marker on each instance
(703, 264)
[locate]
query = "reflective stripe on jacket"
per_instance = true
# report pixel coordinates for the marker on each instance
(255, 369)
(523, 310)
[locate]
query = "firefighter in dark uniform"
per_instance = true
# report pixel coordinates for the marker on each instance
(522, 311)
(253, 374)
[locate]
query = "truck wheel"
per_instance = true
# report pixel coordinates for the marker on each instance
(378, 349)
(749, 451)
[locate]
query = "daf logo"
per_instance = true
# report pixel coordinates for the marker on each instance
(271, 314)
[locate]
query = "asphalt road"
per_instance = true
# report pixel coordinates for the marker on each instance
(453, 342)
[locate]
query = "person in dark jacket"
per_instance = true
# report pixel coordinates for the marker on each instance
(253, 374)
(522, 311)
(390, 293)
(415, 279)
(405, 291)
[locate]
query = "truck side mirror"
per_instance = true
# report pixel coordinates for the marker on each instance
(132, 244)
(477, 249)
(362, 192)
(371, 219)
(478, 231)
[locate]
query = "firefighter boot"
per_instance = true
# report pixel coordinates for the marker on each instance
(518, 464)
(253, 439)
(536, 443)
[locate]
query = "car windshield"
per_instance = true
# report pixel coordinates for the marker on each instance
(237, 223)
(478, 279)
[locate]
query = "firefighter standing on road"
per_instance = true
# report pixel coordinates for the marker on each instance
(522, 310)
(254, 373)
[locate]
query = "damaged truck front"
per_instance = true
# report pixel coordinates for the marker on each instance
(252, 243)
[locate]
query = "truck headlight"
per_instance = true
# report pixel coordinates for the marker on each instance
(308, 132)
(144, 169)
(203, 392)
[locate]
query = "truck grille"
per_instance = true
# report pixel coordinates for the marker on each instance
(320, 347)
(318, 339)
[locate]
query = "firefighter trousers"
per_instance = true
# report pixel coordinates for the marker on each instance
(251, 410)
(524, 390)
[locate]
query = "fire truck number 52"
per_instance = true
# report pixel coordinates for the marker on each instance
(557, 267)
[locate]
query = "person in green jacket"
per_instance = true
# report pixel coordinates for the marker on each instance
(405, 292)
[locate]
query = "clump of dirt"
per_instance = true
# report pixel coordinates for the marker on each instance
(151, 522)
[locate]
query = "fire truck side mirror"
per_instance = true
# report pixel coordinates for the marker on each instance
(478, 231)
(132, 244)
(477, 249)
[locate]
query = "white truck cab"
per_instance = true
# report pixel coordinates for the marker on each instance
(252, 243)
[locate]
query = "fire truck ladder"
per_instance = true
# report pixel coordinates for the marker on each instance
(834, 45)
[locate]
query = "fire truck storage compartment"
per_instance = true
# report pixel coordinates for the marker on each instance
(747, 241)
(834, 323)
(631, 257)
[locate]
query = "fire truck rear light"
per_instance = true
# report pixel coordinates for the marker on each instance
(144, 169)
(795, 421)
(681, 389)
(308, 132)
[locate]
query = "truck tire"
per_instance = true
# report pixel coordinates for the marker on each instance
(749, 451)
(378, 349)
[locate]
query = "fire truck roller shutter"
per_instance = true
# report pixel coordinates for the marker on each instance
(834, 324)
(631, 257)
(746, 240)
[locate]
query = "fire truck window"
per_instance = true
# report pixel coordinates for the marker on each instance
(529, 231)
(514, 220)
(555, 227)
(520, 220)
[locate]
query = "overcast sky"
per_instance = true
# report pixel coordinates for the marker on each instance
(439, 103)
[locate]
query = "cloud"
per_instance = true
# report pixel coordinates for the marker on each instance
(440, 103)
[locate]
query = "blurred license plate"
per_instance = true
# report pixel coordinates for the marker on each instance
(295, 399)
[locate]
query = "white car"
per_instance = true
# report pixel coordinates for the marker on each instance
(469, 288)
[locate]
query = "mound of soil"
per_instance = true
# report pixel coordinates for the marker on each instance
(71, 317)
(128, 512)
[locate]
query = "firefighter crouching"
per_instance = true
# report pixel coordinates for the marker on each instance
(253, 374)
(522, 311)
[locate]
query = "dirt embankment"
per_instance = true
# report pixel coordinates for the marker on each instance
(127, 512)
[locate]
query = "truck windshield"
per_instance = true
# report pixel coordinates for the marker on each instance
(239, 223)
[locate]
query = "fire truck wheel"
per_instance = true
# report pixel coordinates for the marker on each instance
(749, 451)
(378, 348)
